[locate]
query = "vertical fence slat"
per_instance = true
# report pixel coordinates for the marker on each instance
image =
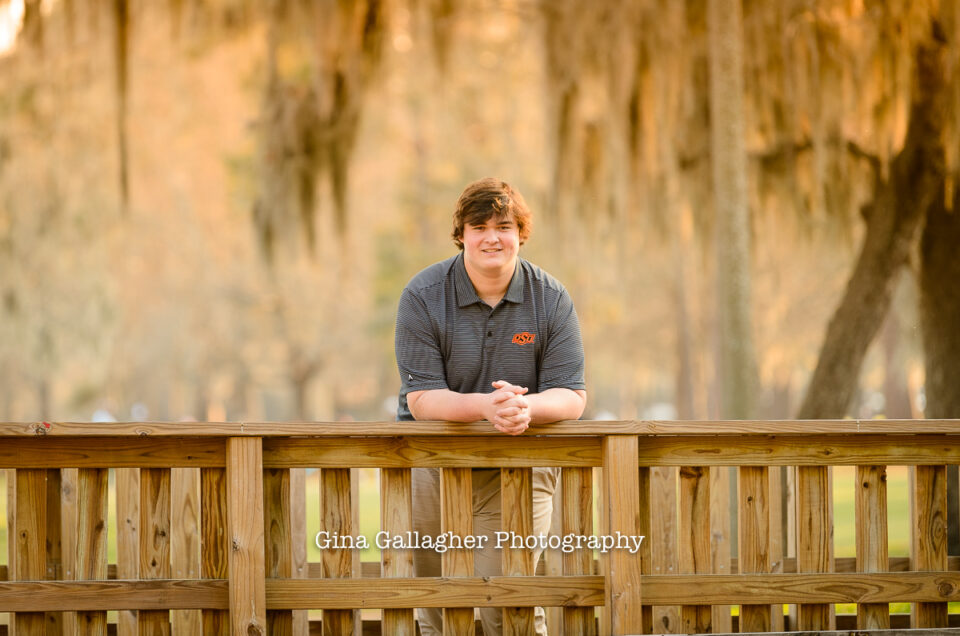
(814, 542)
(185, 540)
(396, 519)
(553, 559)
(776, 540)
(646, 554)
(245, 528)
(279, 550)
(456, 516)
(871, 529)
(753, 539)
(694, 543)
(929, 550)
(154, 541)
(213, 542)
(90, 552)
(516, 492)
(577, 511)
(54, 620)
(29, 539)
(663, 526)
(298, 540)
(337, 517)
(621, 513)
(128, 539)
(720, 539)
(69, 516)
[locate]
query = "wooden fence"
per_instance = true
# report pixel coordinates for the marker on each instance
(211, 525)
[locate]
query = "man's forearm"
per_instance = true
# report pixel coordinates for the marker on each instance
(554, 405)
(445, 405)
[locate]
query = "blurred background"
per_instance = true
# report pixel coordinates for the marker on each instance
(208, 208)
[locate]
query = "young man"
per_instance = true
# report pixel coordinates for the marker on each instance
(486, 335)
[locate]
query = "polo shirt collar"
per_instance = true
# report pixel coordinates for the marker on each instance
(467, 295)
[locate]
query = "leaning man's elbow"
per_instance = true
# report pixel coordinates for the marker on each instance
(413, 399)
(581, 407)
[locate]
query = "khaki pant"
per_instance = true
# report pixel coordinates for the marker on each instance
(486, 521)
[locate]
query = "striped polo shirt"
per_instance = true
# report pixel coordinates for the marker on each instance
(447, 338)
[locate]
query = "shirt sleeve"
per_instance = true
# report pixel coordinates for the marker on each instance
(562, 364)
(417, 347)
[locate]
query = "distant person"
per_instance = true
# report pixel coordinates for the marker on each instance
(486, 335)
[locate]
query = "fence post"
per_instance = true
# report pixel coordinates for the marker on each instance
(516, 491)
(814, 539)
(245, 527)
(929, 546)
(621, 513)
(872, 553)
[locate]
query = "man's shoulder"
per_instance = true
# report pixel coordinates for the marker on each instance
(539, 277)
(432, 276)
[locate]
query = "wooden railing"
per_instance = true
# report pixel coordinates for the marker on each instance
(207, 526)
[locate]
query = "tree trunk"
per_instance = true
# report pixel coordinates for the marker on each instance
(916, 177)
(736, 367)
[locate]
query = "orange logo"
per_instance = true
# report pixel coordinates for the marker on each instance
(524, 338)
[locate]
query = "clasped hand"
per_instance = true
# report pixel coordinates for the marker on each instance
(507, 408)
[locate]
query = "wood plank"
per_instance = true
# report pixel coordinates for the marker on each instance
(929, 545)
(213, 542)
(69, 517)
(621, 514)
(89, 560)
(396, 518)
(694, 541)
(753, 540)
(245, 530)
(110, 452)
(871, 538)
(155, 534)
(54, 544)
(776, 539)
(29, 544)
(96, 596)
(577, 515)
(814, 539)
(664, 551)
(553, 559)
(128, 539)
(721, 538)
(800, 450)
(185, 541)
(476, 591)
(646, 554)
(431, 452)
(336, 511)
(279, 549)
(298, 541)
(516, 495)
(456, 429)
(456, 516)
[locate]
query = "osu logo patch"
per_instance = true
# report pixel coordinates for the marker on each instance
(523, 338)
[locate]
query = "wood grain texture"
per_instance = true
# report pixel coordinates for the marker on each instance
(54, 543)
(213, 542)
(456, 516)
(95, 596)
(694, 541)
(109, 452)
(753, 540)
(246, 563)
(800, 450)
(155, 535)
(28, 534)
(664, 551)
(621, 513)
(516, 492)
(337, 518)
(90, 552)
(128, 539)
(577, 519)
(457, 429)
(432, 452)
(646, 554)
(396, 518)
(814, 539)
(721, 538)
(185, 541)
(298, 541)
(871, 539)
(929, 544)
(69, 516)
(278, 560)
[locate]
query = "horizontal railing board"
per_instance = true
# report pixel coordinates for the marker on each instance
(801, 450)
(762, 589)
(390, 429)
(112, 452)
(160, 594)
(493, 591)
(431, 452)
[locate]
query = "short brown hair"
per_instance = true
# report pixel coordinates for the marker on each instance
(487, 198)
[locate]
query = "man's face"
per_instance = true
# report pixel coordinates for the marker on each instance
(491, 248)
